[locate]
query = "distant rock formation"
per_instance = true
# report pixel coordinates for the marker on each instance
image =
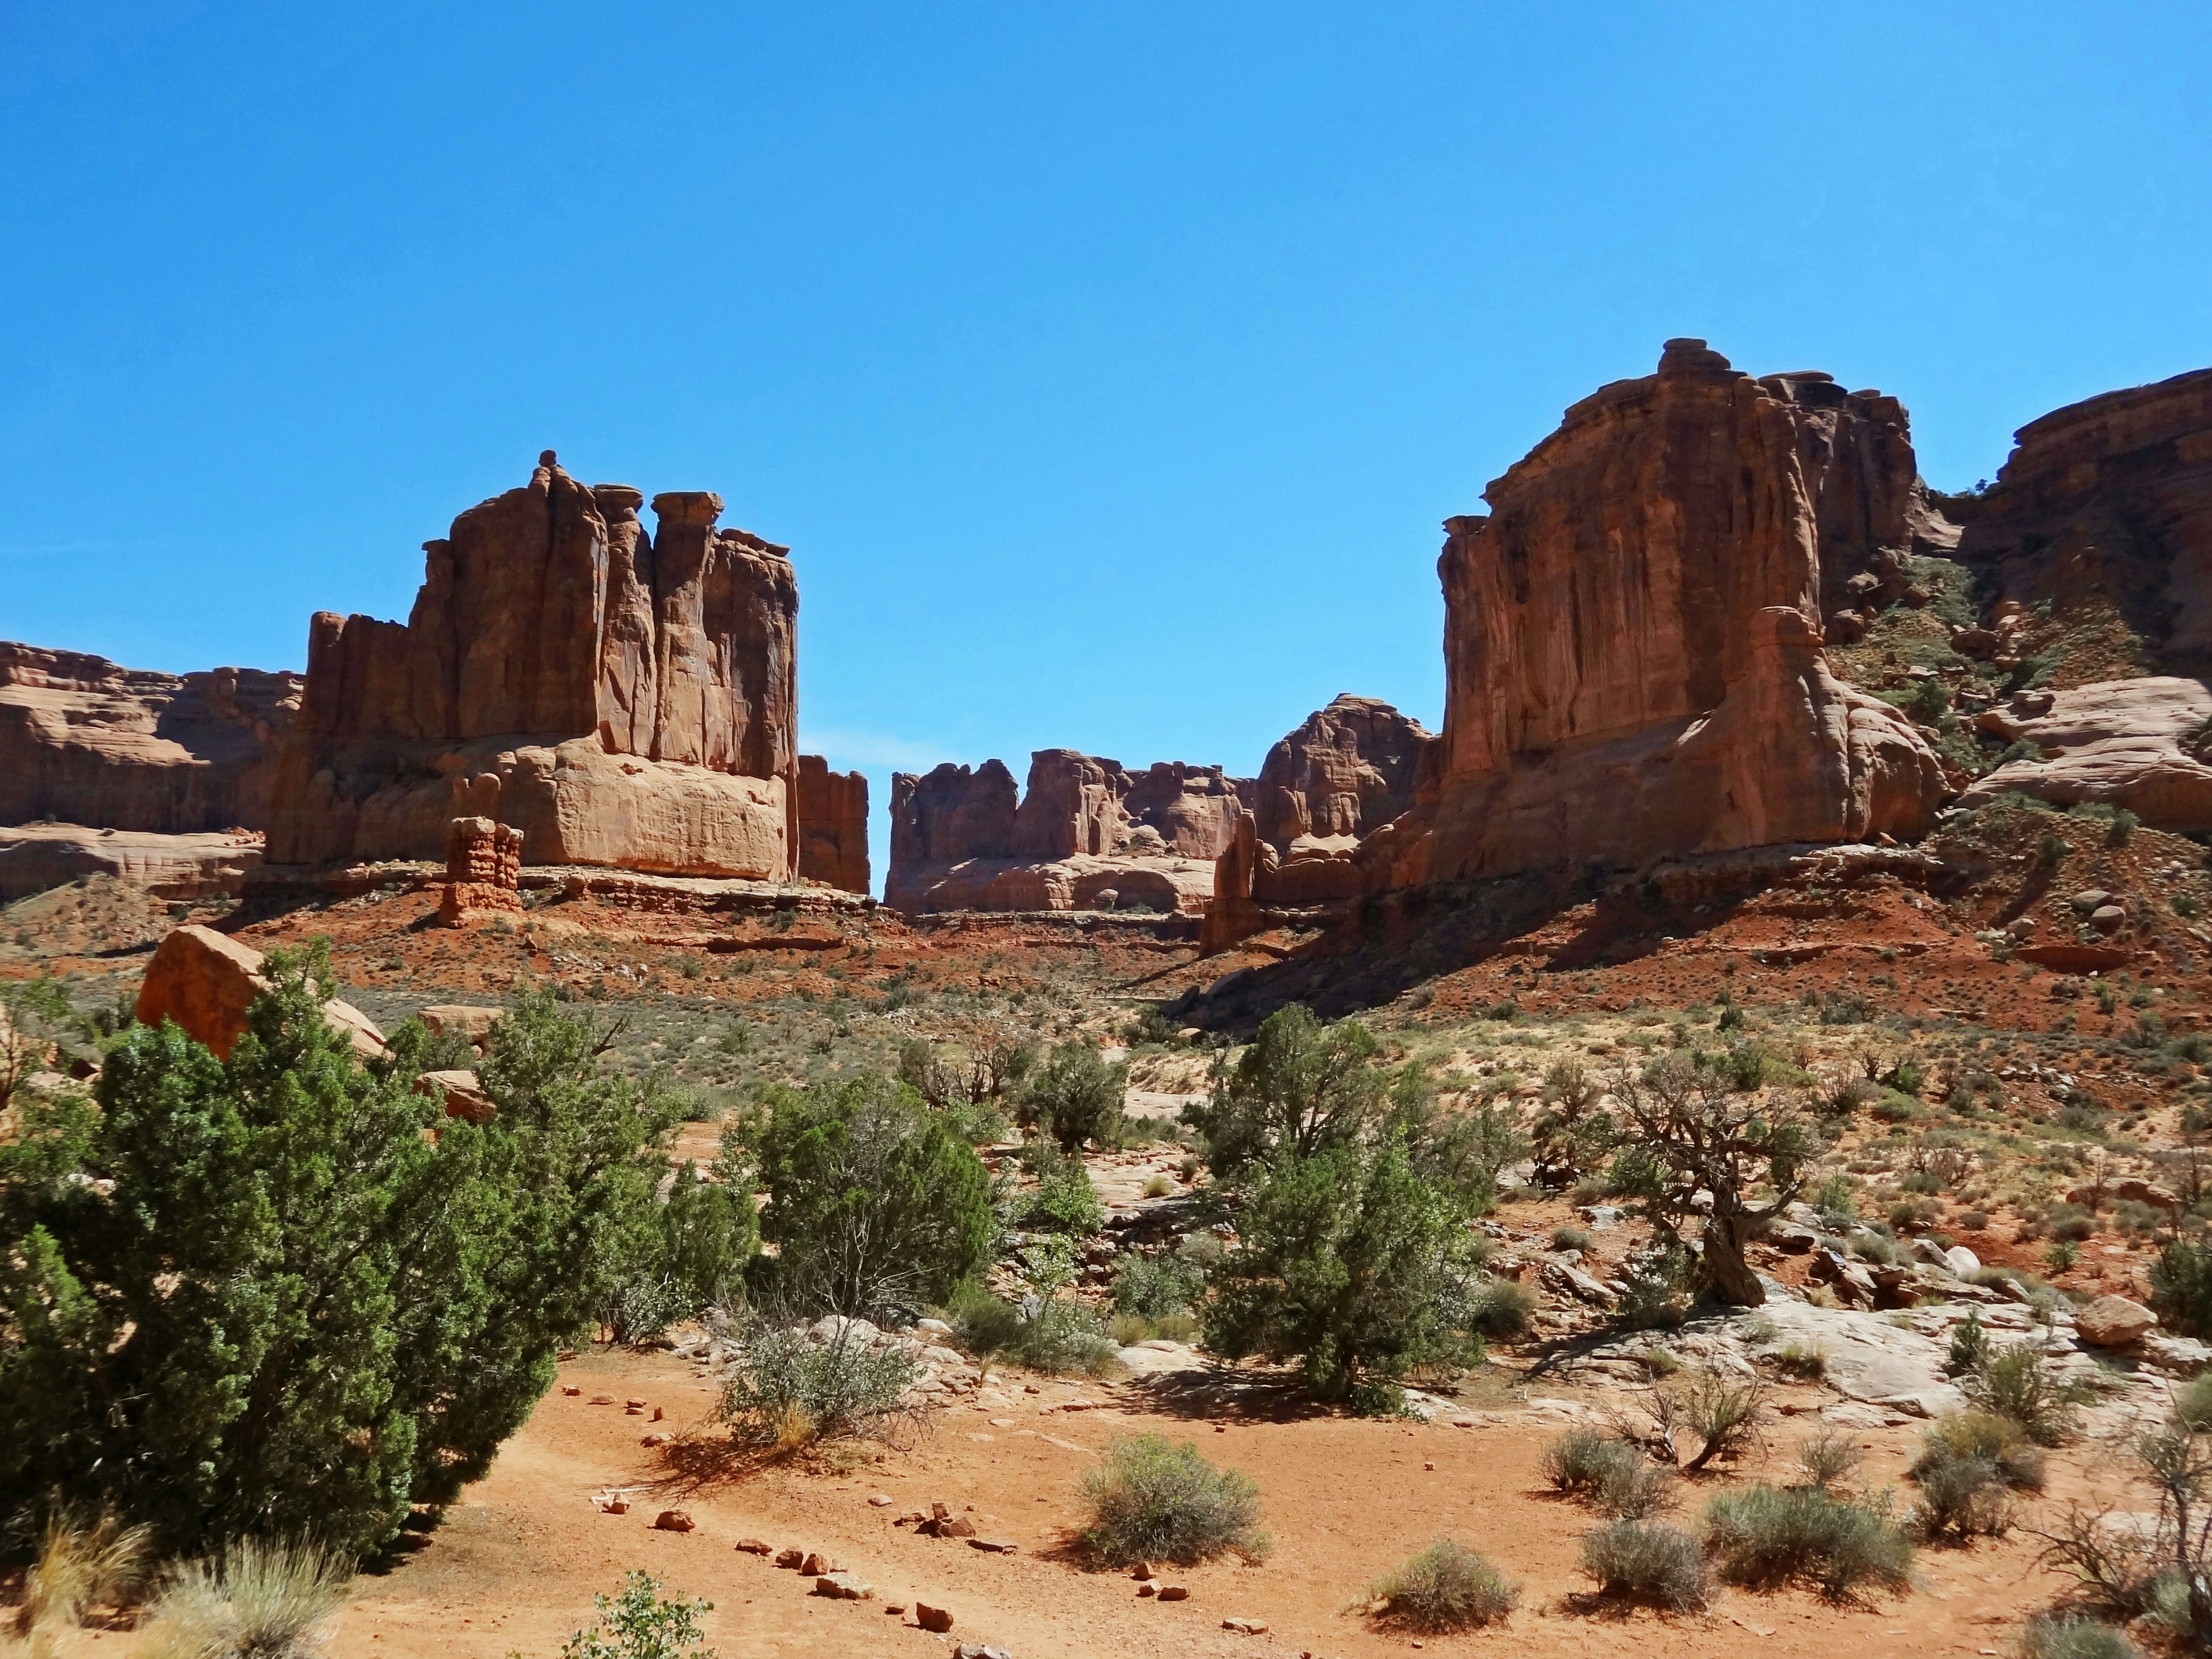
(85, 741)
(1349, 769)
(1631, 643)
(1088, 834)
(2137, 744)
(484, 872)
(621, 699)
(37, 856)
(833, 825)
(2111, 496)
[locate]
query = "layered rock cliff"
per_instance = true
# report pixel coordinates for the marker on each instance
(833, 825)
(1633, 646)
(2111, 498)
(620, 698)
(1088, 835)
(1346, 771)
(85, 741)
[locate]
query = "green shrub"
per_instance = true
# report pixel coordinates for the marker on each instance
(795, 1387)
(1299, 1087)
(1074, 1096)
(1761, 1536)
(2192, 1405)
(1154, 1499)
(639, 1625)
(688, 1253)
(234, 1274)
(1827, 1458)
(1066, 1199)
(1446, 1587)
(1502, 1308)
(1570, 1238)
(2068, 1637)
(257, 1599)
(1654, 1288)
(1155, 1286)
(1647, 1561)
(2181, 1287)
(2015, 1384)
(874, 1205)
(1610, 1475)
(1347, 1261)
(1982, 1436)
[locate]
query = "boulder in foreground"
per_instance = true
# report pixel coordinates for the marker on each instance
(206, 981)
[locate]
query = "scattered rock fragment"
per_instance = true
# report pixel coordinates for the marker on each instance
(790, 1558)
(2114, 1321)
(842, 1587)
(1246, 1626)
(1174, 1592)
(673, 1521)
(939, 1619)
(755, 1547)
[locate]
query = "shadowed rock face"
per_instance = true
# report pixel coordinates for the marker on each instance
(621, 699)
(1088, 834)
(84, 740)
(2110, 497)
(833, 825)
(1632, 655)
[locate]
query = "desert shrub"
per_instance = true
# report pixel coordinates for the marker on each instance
(874, 1205)
(2015, 1384)
(1655, 1287)
(251, 1295)
(1970, 1345)
(1723, 1413)
(1570, 1238)
(2181, 1287)
(1052, 1333)
(1761, 1536)
(981, 1323)
(1347, 1261)
(2068, 1636)
(2192, 1403)
(687, 1253)
(1985, 1437)
(1827, 1458)
(793, 1387)
(257, 1599)
(1074, 1096)
(1154, 1499)
(1501, 1307)
(1446, 1587)
(78, 1569)
(1647, 1561)
(1571, 1136)
(1156, 1286)
(1066, 1199)
(2072, 1222)
(639, 1625)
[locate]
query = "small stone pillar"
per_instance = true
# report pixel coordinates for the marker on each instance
(484, 870)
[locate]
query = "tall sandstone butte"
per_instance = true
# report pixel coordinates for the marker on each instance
(1632, 639)
(1089, 833)
(833, 825)
(1346, 771)
(621, 699)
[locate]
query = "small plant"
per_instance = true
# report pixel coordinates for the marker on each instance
(2060, 1254)
(2192, 1406)
(1970, 1345)
(793, 1387)
(639, 1625)
(78, 1570)
(1156, 1286)
(2014, 1384)
(1570, 1238)
(1723, 1414)
(1501, 1307)
(1647, 1561)
(1827, 1459)
(1762, 1536)
(259, 1599)
(1446, 1587)
(1155, 1499)
(1611, 1476)
(1969, 1463)
(2068, 1636)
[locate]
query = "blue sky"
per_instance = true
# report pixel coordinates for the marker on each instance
(1107, 368)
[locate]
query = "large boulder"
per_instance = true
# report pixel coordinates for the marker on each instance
(622, 700)
(206, 981)
(2114, 1321)
(2127, 743)
(1633, 655)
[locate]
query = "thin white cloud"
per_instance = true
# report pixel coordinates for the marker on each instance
(847, 747)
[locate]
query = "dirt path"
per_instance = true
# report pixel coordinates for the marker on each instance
(516, 1564)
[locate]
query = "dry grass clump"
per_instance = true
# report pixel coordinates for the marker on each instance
(1969, 1465)
(1648, 1561)
(257, 1600)
(2071, 1637)
(1446, 1587)
(1611, 1476)
(1762, 1536)
(1155, 1499)
(79, 1568)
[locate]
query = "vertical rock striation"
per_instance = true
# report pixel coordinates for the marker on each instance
(833, 825)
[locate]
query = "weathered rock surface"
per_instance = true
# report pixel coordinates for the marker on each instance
(621, 699)
(1633, 665)
(2111, 496)
(833, 825)
(37, 856)
(2114, 1321)
(459, 1093)
(1349, 769)
(84, 740)
(206, 982)
(484, 872)
(2125, 742)
(1088, 835)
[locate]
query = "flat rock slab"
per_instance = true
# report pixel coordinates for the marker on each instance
(1869, 1358)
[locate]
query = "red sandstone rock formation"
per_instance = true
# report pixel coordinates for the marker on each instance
(484, 872)
(2112, 497)
(1348, 770)
(206, 982)
(38, 856)
(833, 825)
(2128, 742)
(622, 700)
(1633, 663)
(1088, 835)
(84, 741)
